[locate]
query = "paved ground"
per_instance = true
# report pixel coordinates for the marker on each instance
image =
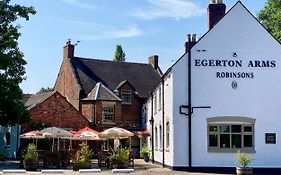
(141, 168)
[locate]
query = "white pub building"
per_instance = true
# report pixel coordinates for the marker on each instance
(222, 95)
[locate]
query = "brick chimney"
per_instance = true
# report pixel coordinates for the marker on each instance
(216, 10)
(190, 42)
(154, 61)
(68, 50)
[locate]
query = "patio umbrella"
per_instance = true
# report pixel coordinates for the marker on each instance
(88, 134)
(54, 132)
(32, 135)
(116, 134)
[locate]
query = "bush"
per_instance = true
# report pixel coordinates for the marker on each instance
(243, 159)
(144, 151)
(120, 156)
(83, 158)
(31, 154)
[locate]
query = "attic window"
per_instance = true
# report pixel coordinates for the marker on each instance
(126, 97)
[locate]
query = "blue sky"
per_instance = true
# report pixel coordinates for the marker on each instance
(142, 27)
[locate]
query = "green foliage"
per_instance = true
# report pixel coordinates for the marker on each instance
(120, 156)
(270, 17)
(145, 150)
(119, 54)
(44, 90)
(12, 70)
(84, 154)
(243, 159)
(31, 154)
(2, 153)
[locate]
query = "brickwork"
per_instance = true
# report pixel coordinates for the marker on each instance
(66, 83)
(57, 111)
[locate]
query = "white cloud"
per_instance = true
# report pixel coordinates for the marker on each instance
(131, 31)
(169, 9)
(79, 3)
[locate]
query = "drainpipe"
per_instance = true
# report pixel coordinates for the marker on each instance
(163, 123)
(152, 130)
(189, 105)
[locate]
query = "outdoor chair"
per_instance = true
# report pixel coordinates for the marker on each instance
(131, 159)
(103, 159)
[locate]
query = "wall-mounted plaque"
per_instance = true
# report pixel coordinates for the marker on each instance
(270, 138)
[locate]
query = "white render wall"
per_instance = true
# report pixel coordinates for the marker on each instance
(257, 97)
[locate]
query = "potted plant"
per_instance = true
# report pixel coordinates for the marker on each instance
(145, 153)
(243, 159)
(83, 158)
(30, 158)
(120, 158)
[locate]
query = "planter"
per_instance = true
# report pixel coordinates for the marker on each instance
(121, 165)
(244, 171)
(30, 165)
(2, 158)
(82, 165)
(146, 157)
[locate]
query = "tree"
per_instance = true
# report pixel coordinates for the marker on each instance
(270, 17)
(119, 54)
(12, 70)
(44, 90)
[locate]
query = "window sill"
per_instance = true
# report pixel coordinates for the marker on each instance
(231, 150)
(161, 150)
(167, 150)
(108, 123)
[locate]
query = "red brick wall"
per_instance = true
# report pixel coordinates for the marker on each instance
(130, 113)
(66, 83)
(57, 111)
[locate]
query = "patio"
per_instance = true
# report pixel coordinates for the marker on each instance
(140, 168)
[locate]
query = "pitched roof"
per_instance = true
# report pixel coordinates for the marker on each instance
(89, 72)
(101, 92)
(37, 99)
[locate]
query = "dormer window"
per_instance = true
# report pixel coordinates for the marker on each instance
(126, 97)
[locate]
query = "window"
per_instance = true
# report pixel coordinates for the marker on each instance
(126, 97)
(159, 97)
(155, 103)
(108, 114)
(160, 137)
(167, 135)
(156, 138)
(231, 136)
(8, 139)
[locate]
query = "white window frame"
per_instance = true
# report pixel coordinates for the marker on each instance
(156, 138)
(155, 103)
(161, 137)
(108, 121)
(167, 135)
(126, 96)
(219, 122)
(159, 98)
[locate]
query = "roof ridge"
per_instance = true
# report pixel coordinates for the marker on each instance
(118, 62)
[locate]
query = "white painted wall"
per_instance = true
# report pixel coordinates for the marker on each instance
(258, 98)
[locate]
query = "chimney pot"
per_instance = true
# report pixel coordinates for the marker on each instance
(194, 38)
(212, 1)
(153, 60)
(219, 1)
(188, 37)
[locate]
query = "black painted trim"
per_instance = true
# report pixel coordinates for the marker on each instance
(189, 108)
(163, 123)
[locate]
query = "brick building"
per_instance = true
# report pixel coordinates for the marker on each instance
(107, 93)
(52, 109)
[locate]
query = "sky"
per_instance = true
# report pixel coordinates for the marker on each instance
(142, 27)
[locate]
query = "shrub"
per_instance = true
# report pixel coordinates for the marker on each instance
(144, 151)
(120, 156)
(31, 154)
(84, 154)
(243, 159)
